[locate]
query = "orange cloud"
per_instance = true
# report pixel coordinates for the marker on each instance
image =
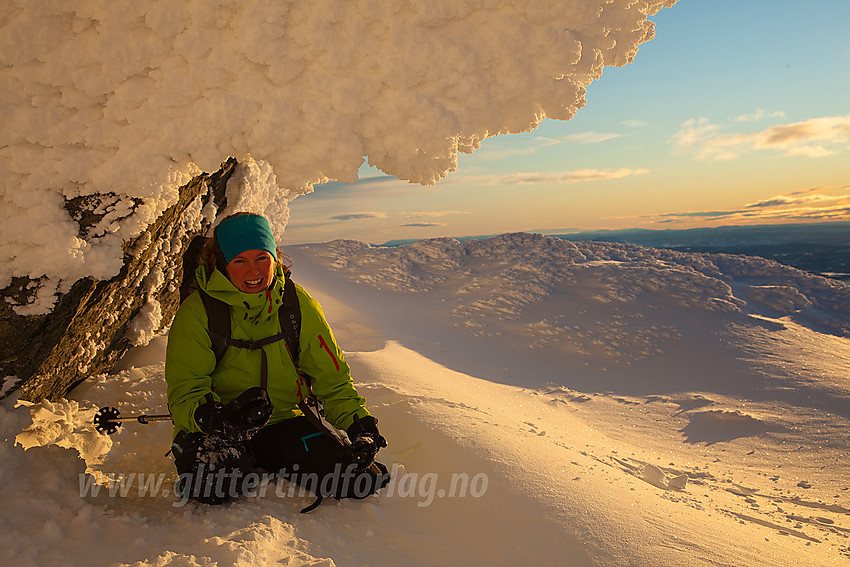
(575, 176)
(800, 207)
(811, 138)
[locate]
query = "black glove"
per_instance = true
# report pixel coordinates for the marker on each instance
(240, 418)
(365, 441)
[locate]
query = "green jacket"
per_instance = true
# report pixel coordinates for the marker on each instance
(191, 372)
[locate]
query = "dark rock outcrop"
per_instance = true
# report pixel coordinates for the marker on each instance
(87, 332)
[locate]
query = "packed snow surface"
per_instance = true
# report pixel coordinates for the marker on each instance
(546, 403)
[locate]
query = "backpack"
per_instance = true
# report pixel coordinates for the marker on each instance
(218, 312)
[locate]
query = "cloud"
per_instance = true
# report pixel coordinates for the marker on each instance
(433, 214)
(759, 114)
(424, 224)
(359, 216)
(834, 213)
(538, 143)
(534, 178)
(817, 137)
(333, 190)
(531, 147)
(694, 134)
(800, 206)
(701, 214)
(590, 137)
(809, 151)
(789, 200)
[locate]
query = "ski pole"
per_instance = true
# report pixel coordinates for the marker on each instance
(108, 420)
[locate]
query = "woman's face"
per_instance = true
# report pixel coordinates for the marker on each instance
(251, 271)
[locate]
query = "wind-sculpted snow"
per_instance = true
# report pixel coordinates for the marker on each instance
(131, 99)
(627, 406)
(507, 275)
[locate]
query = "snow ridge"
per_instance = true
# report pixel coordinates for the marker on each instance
(529, 267)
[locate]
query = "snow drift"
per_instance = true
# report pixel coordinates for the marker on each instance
(130, 100)
(616, 405)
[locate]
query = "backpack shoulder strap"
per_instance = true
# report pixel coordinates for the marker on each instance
(218, 326)
(218, 314)
(290, 317)
(188, 284)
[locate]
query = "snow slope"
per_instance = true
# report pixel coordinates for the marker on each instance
(607, 405)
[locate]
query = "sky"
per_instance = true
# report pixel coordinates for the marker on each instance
(735, 113)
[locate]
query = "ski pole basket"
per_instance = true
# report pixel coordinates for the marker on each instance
(108, 419)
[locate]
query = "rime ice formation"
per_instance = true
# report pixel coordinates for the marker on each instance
(131, 100)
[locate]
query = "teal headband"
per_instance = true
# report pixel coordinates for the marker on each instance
(245, 232)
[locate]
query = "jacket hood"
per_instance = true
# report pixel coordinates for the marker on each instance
(218, 286)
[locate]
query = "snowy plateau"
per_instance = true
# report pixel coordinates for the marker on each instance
(546, 403)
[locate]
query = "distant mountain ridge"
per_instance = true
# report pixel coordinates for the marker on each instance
(818, 233)
(510, 276)
(820, 248)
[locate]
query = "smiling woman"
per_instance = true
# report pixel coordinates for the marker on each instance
(248, 404)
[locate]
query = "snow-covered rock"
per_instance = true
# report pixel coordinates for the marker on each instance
(94, 322)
